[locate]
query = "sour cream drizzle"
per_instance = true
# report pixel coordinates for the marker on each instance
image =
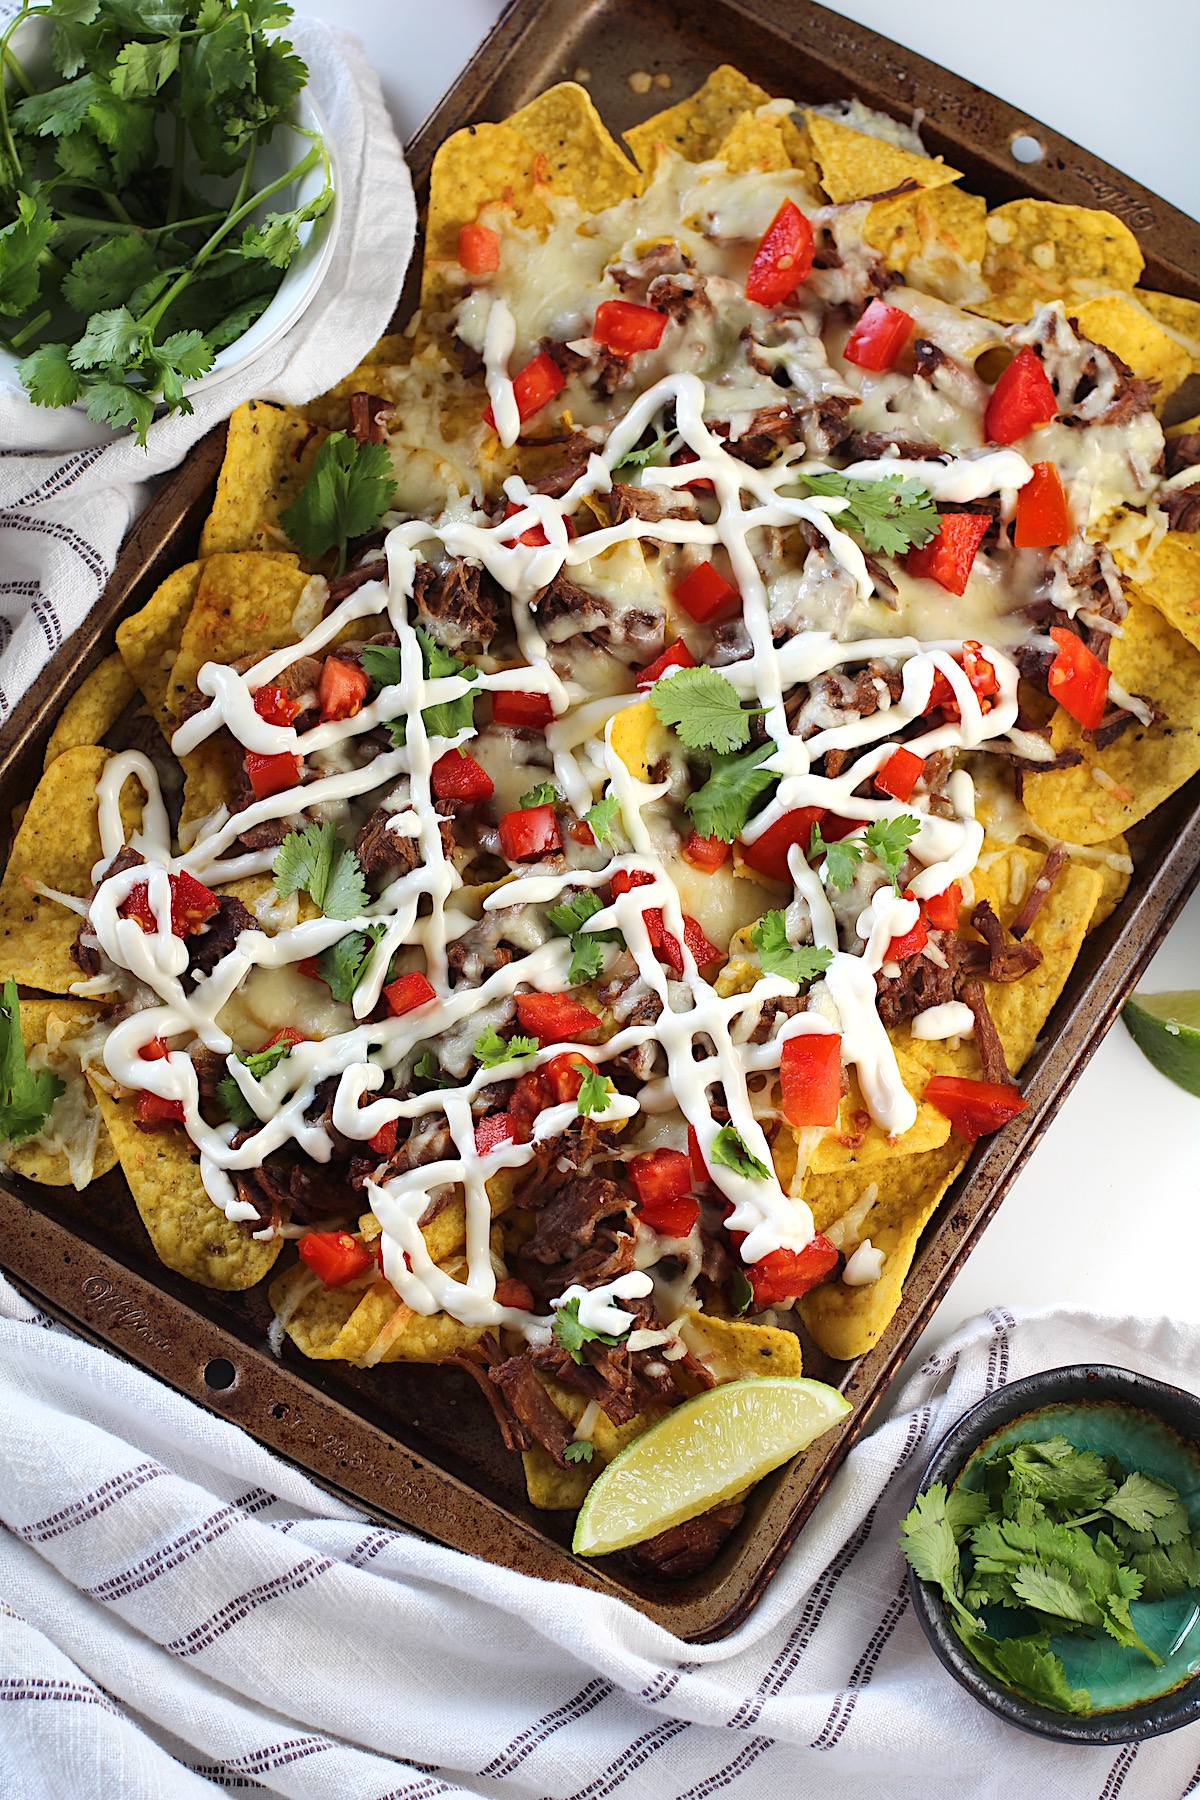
(705, 1043)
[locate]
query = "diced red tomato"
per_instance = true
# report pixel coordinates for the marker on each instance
(275, 705)
(308, 966)
(151, 1113)
(768, 854)
(408, 992)
(910, 941)
(665, 1202)
(706, 853)
(948, 557)
(696, 1157)
(565, 1074)
(192, 904)
(491, 1132)
(942, 697)
(979, 671)
(343, 689)
(702, 483)
(457, 776)
(511, 707)
(786, 1274)
(478, 249)
(514, 1293)
(941, 910)
(664, 943)
(899, 774)
(833, 829)
(529, 831)
(1021, 399)
(334, 1256)
(535, 538)
(783, 258)
(155, 1050)
(879, 336)
(626, 328)
(705, 592)
(272, 774)
(554, 1018)
(810, 1072)
(384, 1141)
(1077, 679)
(287, 1034)
(675, 656)
(974, 1108)
(625, 880)
(533, 386)
(1043, 517)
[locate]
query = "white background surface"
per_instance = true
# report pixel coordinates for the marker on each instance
(1107, 1214)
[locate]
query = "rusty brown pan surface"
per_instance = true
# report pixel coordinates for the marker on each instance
(416, 1445)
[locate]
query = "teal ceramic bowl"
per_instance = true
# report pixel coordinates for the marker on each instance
(1149, 1426)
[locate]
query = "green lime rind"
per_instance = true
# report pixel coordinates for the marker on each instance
(1166, 1028)
(701, 1454)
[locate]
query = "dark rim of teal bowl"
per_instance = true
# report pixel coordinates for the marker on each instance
(1082, 1381)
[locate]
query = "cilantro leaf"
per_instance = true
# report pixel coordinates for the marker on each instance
(703, 707)
(544, 794)
(891, 515)
(26, 1099)
(1146, 1505)
(888, 841)
(587, 957)
(428, 1068)
(1168, 1569)
(49, 377)
(842, 857)
(491, 1049)
(113, 338)
(261, 1062)
(343, 965)
(579, 1451)
(1025, 1663)
(601, 817)
(1052, 1469)
(349, 488)
(21, 246)
(141, 69)
(650, 455)
(117, 404)
(722, 806)
(741, 1293)
(316, 860)
(929, 1541)
(729, 1149)
(448, 717)
(595, 1095)
(779, 956)
(238, 1109)
(1048, 1589)
(106, 273)
(572, 1334)
(569, 916)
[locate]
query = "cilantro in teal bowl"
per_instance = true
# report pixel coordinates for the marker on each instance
(1054, 1553)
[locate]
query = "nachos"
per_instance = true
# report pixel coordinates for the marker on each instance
(645, 753)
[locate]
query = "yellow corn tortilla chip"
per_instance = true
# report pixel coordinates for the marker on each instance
(189, 1233)
(696, 128)
(735, 1350)
(937, 222)
(1182, 319)
(268, 454)
(1144, 765)
(1114, 881)
(58, 844)
(856, 166)
(93, 708)
(364, 1326)
(581, 155)
(633, 738)
(1169, 578)
(75, 1115)
(1121, 325)
(1039, 250)
(771, 141)
(148, 642)
(847, 1321)
(856, 1141)
(479, 166)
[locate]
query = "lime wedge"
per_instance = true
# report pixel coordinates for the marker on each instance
(701, 1454)
(1167, 1028)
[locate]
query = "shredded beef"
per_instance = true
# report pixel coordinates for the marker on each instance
(634, 278)
(774, 426)
(456, 603)
(1035, 899)
(584, 1234)
(1117, 720)
(87, 956)
(1182, 452)
(1182, 507)
(558, 481)
(368, 417)
(868, 446)
(374, 568)
(214, 941)
(920, 984)
(928, 356)
(384, 852)
(987, 1038)
(564, 611)
(476, 1362)
(627, 502)
(1008, 959)
(532, 1406)
(689, 1548)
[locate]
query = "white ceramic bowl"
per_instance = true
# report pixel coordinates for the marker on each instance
(304, 273)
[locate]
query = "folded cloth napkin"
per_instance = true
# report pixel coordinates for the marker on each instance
(181, 1614)
(69, 489)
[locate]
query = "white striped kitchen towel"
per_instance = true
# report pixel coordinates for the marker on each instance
(182, 1615)
(69, 489)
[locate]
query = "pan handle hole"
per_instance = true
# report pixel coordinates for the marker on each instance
(219, 1373)
(1026, 149)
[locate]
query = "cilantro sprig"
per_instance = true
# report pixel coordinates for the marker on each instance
(134, 243)
(448, 717)
(26, 1099)
(349, 488)
(891, 515)
(722, 806)
(887, 840)
(343, 965)
(601, 819)
(1062, 1537)
(316, 860)
(703, 707)
(544, 794)
(259, 1062)
(491, 1049)
(730, 1149)
(595, 1095)
(573, 1334)
(779, 956)
(587, 947)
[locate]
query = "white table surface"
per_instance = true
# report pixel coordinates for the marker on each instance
(1107, 1214)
